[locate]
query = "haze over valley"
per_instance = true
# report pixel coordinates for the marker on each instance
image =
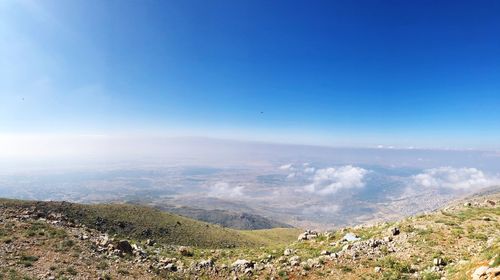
(297, 185)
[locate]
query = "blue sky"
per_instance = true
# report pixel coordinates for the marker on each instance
(340, 73)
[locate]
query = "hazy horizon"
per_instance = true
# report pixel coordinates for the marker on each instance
(321, 114)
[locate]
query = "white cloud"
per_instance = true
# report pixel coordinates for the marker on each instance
(330, 180)
(287, 167)
(309, 170)
(454, 178)
(224, 190)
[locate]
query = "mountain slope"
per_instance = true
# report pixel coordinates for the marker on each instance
(138, 222)
(460, 241)
(225, 218)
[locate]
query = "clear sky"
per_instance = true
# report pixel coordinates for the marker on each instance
(360, 73)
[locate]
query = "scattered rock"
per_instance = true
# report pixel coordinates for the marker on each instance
(395, 231)
(242, 265)
(124, 247)
(480, 271)
(171, 267)
(438, 262)
(185, 251)
(308, 235)
(325, 253)
(206, 263)
(346, 247)
(287, 252)
(350, 237)
(294, 261)
(490, 202)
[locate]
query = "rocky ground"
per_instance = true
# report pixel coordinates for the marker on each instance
(461, 241)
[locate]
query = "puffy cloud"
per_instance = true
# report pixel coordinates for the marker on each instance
(454, 178)
(330, 180)
(287, 167)
(224, 190)
(298, 171)
(309, 170)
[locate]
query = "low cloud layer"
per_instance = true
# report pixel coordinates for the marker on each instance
(330, 180)
(454, 178)
(224, 190)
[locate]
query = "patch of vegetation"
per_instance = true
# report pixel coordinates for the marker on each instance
(71, 270)
(457, 232)
(478, 236)
(42, 229)
(345, 268)
(390, 263)
(446, 222)
(283, 275)
(431, 276)
(102, 265)
(272, 236)
(27, 261)
(424, 232)
(12, 274)
(64, 245)
(123, 271)
(476, 213)
(496, 261)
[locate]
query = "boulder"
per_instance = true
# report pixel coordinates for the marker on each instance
(346, 247)
(438, 262)
(103, 240)
(124, 247)
(490, 202)
(206, 263)
(287, 252)
(395, 231)
(479, 272)
(350, 237)
(171, 267)
(185, 251)
(308, 235)
(242, 265)
(294, 261)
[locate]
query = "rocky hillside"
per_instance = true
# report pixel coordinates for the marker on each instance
(461, 241)
(136, 222)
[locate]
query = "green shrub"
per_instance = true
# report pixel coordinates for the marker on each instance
(27, 261)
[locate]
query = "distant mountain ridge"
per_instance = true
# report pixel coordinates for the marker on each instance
(225, 218)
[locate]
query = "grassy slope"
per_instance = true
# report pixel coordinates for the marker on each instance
(140, 222)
